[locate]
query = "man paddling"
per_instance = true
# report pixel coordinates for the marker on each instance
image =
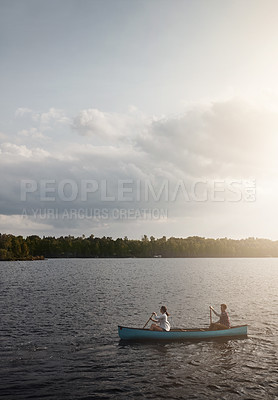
(224, 321)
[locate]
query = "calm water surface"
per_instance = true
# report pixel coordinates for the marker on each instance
(59, 335)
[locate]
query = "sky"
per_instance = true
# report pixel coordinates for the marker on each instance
(131, 117)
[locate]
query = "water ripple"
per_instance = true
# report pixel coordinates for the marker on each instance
(59, 320)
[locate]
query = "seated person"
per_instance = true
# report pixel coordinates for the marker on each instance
(161, 320)
(224, 321)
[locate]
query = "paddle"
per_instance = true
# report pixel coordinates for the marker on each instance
(210, 315)
(147, 321)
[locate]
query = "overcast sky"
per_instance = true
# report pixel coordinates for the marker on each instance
(132, 117)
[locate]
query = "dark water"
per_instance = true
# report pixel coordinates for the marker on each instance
(59, 329)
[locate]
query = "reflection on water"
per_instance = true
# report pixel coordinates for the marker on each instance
(59, 329)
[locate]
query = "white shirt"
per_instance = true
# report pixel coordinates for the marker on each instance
(163, 321)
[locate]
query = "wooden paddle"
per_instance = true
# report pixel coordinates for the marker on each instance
(147, 321)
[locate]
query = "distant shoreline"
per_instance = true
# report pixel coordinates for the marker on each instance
(33, 247)
(37, 258)
(122, 258)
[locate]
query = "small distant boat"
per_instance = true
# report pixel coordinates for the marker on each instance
(137, 334)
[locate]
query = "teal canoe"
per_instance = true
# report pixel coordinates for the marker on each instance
(135, 334)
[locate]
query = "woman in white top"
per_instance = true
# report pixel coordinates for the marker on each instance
(162, 320)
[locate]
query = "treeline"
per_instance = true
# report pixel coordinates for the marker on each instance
(34, 247)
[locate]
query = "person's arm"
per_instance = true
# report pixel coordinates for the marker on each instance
(155, 316)
(216, 313)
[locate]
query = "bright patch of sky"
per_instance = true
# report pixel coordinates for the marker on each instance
(124, 117)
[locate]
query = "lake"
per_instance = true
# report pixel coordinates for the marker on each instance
(59, 335)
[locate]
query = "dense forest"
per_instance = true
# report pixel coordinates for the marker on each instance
(34, 247)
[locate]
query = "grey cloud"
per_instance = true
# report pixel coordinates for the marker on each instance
(102, 124)
(206, 142)
(218, 139)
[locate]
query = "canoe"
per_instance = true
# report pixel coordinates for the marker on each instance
(134, 334)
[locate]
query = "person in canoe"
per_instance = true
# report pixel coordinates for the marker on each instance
(224, 321)
(161, 322)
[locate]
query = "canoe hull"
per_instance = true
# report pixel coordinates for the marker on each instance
(134, 334)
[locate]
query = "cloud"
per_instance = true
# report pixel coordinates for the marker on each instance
(231, 139)
(19, 225)
(21, 112)
(108, 126)
(14, 153)
(54, 115)
(43, 120)
(32, 133)
(219, 139)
